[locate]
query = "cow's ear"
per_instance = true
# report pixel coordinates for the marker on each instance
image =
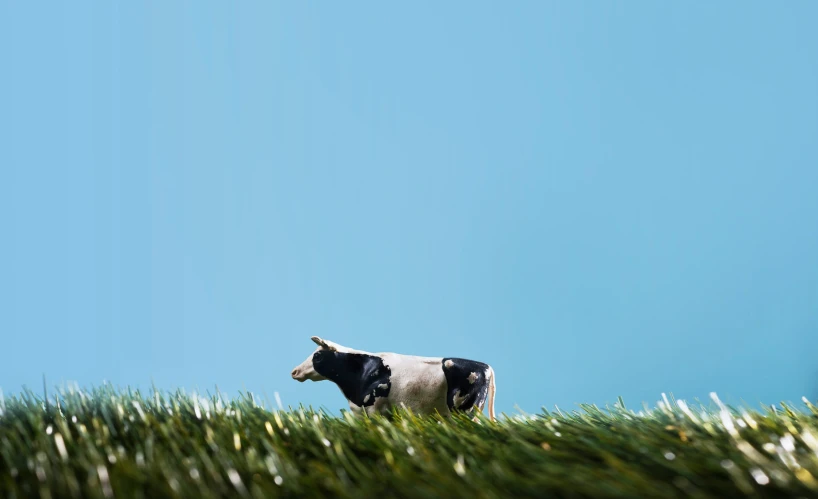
(318, 341)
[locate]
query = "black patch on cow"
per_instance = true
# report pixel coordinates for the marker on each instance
(457, 379)
(357, 374)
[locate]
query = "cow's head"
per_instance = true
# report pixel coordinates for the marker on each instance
(306, 370)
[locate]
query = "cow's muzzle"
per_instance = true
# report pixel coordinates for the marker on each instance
(297, 375)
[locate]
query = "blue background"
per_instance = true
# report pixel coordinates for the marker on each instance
(597, 198)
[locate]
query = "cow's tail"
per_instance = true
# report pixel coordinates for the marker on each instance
(492, 388)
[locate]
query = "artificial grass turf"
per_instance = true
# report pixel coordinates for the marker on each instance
(111, 443)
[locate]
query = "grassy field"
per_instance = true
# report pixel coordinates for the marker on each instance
(108, 443)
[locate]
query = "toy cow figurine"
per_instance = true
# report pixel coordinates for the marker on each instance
(377, 382)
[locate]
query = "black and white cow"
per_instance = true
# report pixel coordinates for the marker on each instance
(377, 382)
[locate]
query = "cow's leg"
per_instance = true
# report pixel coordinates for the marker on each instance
(467, 384)
(381, 406)
(357, 410)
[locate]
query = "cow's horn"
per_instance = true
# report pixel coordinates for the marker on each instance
(318, 341)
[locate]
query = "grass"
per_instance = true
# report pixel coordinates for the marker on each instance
(110, 443)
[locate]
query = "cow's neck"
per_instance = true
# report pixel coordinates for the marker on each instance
(360, 376)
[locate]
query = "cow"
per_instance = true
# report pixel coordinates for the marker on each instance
(374, 383)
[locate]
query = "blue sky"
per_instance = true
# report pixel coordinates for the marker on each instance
(599, 199)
